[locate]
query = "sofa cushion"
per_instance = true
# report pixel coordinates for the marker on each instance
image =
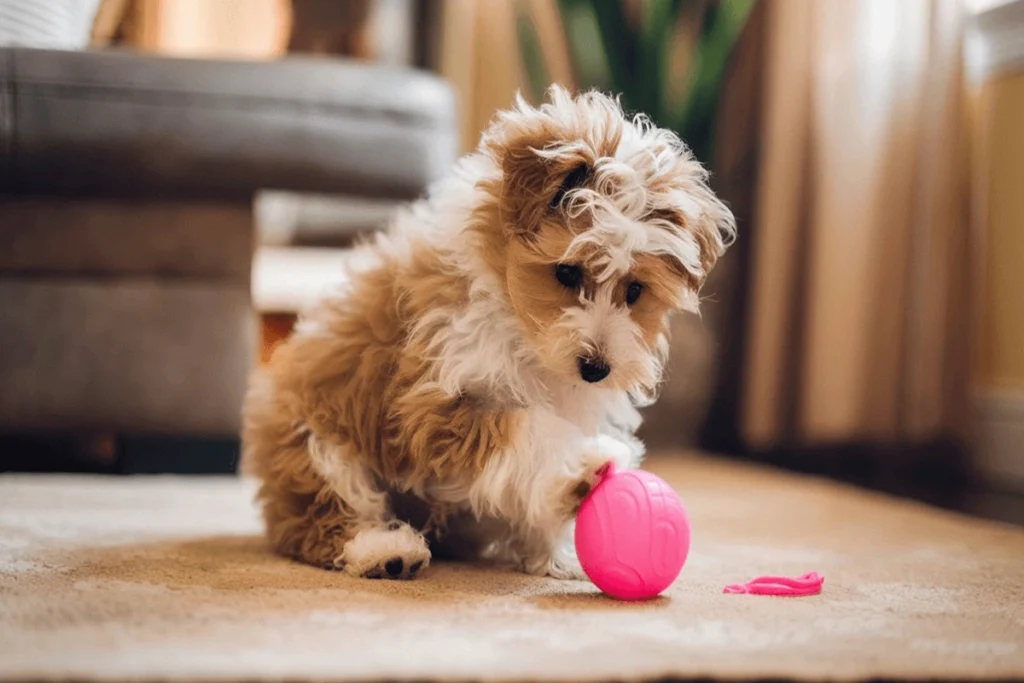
(126, 124)
(128, 356)
(101, 238)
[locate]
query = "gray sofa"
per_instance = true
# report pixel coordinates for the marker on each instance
(126, 229)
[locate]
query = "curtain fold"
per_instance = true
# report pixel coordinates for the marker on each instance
(860, 266)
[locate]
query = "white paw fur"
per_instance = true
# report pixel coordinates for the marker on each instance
(565, 565)
(387, 551)
(602, 449)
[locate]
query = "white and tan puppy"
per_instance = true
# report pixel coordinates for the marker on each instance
(489, 353)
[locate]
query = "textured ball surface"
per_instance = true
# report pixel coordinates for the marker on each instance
(632, 535)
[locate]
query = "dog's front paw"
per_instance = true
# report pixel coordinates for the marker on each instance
(569, 570)
(598, 453)
(391, 551)
(561, 563)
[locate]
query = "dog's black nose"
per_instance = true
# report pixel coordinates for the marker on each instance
(593, 369)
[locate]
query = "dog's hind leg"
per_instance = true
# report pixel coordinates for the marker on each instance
(353, 513)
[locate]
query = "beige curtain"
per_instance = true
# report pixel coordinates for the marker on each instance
(861, 261)
(480, 58)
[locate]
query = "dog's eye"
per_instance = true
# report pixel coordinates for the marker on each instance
(575, 178)
(633, 292)
(570, 276)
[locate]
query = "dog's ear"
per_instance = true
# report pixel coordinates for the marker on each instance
(543, 152)
(714, 228)
(689, 208)
(535, 179)
(707, 223)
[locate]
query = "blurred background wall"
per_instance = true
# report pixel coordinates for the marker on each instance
(996, 59)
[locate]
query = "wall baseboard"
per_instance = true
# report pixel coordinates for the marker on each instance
(999, 438)
(938, 472)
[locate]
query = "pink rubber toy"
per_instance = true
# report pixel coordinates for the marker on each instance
(632, 534)
(808, 584)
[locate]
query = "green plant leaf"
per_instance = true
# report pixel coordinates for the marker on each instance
(723, 25)
(590, 57)
(655, 35)
(608, 54)
(619, 45)
(532, 54)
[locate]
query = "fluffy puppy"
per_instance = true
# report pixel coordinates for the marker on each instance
(488, 352)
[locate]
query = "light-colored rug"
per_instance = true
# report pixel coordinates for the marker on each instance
(168, 578)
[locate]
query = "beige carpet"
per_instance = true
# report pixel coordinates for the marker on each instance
(165, 578)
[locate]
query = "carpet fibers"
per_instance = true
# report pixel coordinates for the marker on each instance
(167, 578)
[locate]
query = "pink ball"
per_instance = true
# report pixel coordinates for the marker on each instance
(632, 534)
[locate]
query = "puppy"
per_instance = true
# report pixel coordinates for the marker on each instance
(489, 351)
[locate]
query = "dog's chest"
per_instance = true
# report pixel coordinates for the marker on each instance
(591, 411)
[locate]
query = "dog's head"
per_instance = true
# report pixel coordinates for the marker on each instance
(599, 227)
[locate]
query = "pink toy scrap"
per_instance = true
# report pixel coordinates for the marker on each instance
(783, 586)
